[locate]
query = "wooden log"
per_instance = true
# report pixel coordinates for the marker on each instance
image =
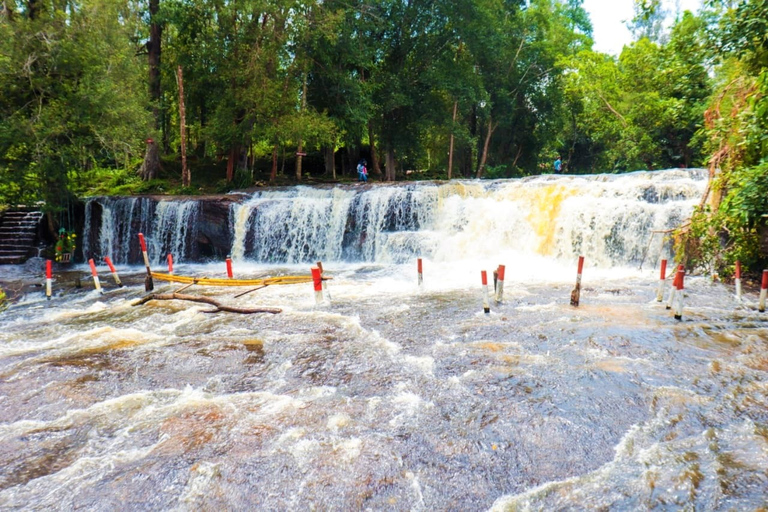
(205, 300)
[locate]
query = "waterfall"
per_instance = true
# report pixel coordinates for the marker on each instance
(610, 217)
(615, 219)
(169, 226)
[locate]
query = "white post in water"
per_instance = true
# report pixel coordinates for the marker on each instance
(149, 285)
(112, 269)
(662, 280)
(48, 277)
(419, 269)
(763, 291)
(95, 275)
(486, 301)
(680, 287)
(325, 284)
(738, 281)
(317, 279)
(500, 284)
(673, 290)
(576, 293)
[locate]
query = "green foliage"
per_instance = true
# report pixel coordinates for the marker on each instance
(3, 301)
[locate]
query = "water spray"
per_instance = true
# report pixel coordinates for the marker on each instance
(486, 301)
(95, 275)
(149, 285)
(113, 270)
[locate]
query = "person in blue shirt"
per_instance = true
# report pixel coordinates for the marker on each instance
(558, 166)
(362, 172)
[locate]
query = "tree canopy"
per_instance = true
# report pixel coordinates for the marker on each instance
(485, 88)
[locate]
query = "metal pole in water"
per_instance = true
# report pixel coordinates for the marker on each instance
(95, 275)
(738, 281)
(112, 269)
(662, 280)
(576, 293)
(680, 287)
(170, 263)
(149, 285)
(486, 301)
(500, 284)
(419, 269)
(48, 277)
(673, 290)
(763, 291)
(229, 267)
(317, 279)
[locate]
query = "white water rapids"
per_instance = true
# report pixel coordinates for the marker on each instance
(391, 396)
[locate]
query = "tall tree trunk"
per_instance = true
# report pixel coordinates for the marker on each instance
(481, 167)
(273, 172)
(375, 167)
(151, 164)
(186, 178)
(450, 146)
(300, 150)
(233, 154)
(153, 52)
(389, 163)
(330, 160)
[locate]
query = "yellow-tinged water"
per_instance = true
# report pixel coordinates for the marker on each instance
(545, 204)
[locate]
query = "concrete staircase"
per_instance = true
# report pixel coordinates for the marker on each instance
(18, 234)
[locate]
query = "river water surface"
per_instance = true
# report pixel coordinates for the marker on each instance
(388, 396)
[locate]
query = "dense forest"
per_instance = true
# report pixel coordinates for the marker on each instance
(183, 96)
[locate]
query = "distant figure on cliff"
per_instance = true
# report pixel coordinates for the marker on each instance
(362, 172)
(558, 166)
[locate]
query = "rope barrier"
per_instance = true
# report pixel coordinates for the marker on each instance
(204, 281)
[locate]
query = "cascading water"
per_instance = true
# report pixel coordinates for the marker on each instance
(169, 227)
(390, 396)
(609, 217)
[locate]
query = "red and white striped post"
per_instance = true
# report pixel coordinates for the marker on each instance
(229, 268)
(576, 293)
(673, 290)
(112, 269)
(170, 263)
(680, 294)
(500, 284)
(419, 269)
(95, 275)
(662, 280)
(738, 280)
(486, 300)
(325, 284)
(149, 285)
(48, 277)
(763, 291)
(317, 279)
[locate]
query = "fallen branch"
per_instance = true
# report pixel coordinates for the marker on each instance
(205, 300)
